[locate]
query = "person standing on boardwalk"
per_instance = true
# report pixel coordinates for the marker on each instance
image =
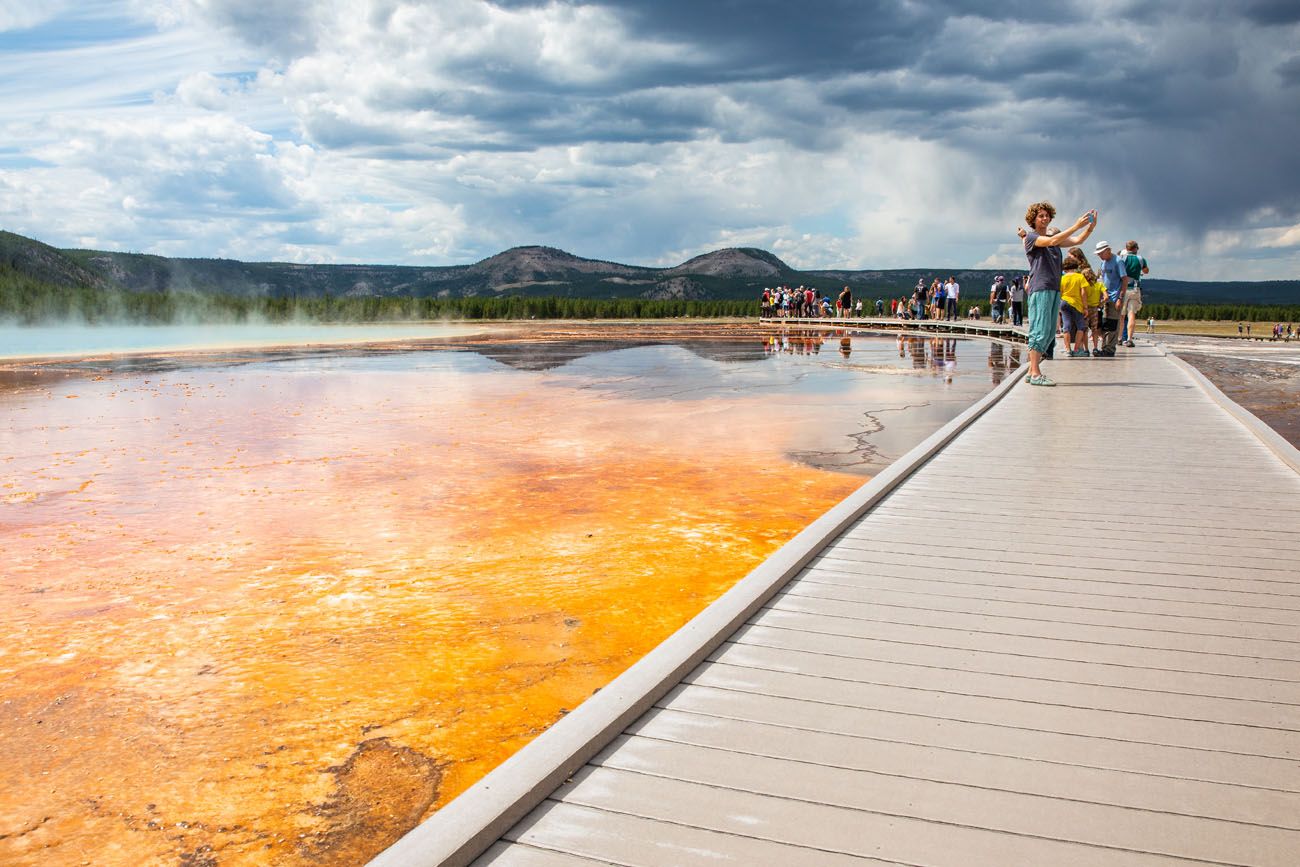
(998, 294)
(1018, 301)
(1135, 266)
(1096, 304)
(1115, 279)
(1043, 251)
(1074, 306)
(954, 292)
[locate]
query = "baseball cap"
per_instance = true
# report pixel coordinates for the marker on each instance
(1101, 245)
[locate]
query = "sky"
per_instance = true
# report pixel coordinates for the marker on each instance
(834, 133)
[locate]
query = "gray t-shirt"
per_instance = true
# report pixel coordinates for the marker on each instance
(1044, 266)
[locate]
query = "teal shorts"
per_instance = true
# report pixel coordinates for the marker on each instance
(1043, 307)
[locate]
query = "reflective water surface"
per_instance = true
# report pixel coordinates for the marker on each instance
(277, 609)
(83, 340)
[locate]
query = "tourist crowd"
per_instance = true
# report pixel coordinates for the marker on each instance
(1280, 332)
(1092, 310)
(804, 302)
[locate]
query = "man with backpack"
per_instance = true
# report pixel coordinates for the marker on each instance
(1134, 267)
(1115, 279)
(1018, 301)
(998, 295)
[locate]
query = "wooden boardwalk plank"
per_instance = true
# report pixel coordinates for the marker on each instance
(1155, 636)
(1045, 716)
(796, 629)
(989, 517)
(632, 840)
(835, 584)
(840, 658)
(1255, 724)
(1002, 738)
(503, 854)
(831, 827)
(1062, 817)
(845, 605)
(1010, 568)
(1140, 553)
(979, 769)
(1157, 659)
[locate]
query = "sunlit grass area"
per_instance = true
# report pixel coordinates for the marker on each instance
(1208, 328)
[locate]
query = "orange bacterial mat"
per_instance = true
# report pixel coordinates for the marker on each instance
(278, 613)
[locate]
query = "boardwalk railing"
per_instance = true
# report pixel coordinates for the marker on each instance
(922, 327)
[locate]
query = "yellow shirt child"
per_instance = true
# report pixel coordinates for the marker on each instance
(1095, 293)
(1073, 288)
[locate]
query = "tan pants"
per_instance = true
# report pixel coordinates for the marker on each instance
(1132, 303)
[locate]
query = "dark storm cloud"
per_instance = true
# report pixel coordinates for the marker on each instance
(1272, 12)
(756, 40)
(532, 119)
(907, 95)
(1189, 110)
(285, 28)
(1164, 97)
(1289, 71)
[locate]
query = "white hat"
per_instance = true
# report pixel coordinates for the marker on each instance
(1101, 245)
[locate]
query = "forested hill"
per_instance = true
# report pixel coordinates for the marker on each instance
(736, 273)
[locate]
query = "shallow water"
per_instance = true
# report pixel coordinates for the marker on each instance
(265, 611)
(82, 340)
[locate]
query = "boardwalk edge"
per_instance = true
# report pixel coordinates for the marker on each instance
(465, 828)
(1276, 443)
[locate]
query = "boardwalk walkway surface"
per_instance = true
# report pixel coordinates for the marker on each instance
(1014, 657)
(928, 327)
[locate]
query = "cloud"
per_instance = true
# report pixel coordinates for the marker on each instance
(23, 15)
(207, 91)
(837, 133)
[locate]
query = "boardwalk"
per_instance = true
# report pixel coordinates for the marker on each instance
(928, 327)
(1001, 655)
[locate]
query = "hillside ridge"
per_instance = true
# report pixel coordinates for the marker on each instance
(535, 270)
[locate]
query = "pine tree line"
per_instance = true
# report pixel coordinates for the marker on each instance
(29, 301)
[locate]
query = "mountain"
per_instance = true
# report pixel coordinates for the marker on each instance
(736, 263)
(45, 264)
(732, 273)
